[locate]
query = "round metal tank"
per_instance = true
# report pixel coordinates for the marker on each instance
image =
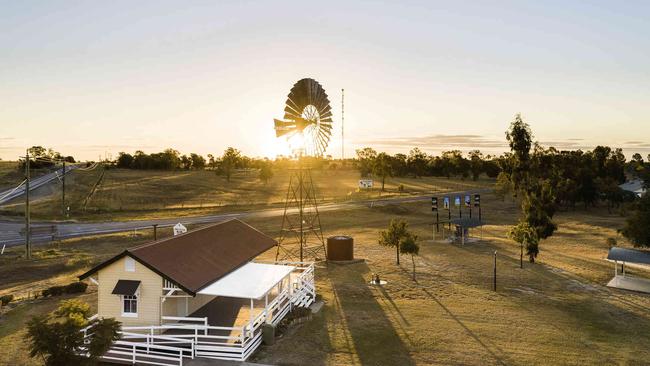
(340, 248)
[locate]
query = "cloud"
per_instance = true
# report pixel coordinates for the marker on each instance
(437, 142)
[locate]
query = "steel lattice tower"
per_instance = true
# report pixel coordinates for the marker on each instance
(301, 235)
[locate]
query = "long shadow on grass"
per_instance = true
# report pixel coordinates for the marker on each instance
(591, 313)
(498, 358)
(375, 339)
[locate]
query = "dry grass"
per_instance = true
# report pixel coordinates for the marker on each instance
(130, 194)
(10, 176)
(554, 312)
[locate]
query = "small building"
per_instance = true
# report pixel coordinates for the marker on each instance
(462, 230)
(638, 259)
(198, 294)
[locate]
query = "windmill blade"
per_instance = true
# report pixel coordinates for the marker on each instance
(292, 109)
(283, 127)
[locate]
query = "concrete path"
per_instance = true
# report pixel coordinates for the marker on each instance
(210, 362)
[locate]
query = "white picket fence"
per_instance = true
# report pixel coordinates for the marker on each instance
(189, 337)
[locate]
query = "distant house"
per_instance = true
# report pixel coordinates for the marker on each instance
(635, 186)
(199, 293)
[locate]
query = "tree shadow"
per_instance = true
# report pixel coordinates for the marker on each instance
(372, 335)
(500, 359)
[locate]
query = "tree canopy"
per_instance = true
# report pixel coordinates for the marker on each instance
(58, 338)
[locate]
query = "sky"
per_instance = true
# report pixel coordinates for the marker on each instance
(90, 78)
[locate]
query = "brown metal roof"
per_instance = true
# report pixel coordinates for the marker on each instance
(197, 258)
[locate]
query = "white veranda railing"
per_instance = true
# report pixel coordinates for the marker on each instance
(189, 337)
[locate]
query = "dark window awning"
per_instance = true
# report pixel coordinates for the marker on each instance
(126, 287)
(629, 255)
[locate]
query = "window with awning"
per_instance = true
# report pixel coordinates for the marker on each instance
(126, 287)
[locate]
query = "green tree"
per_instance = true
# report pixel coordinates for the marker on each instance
(409, 245)
(266, 172)
(198, 161)
(229, 161)
(637, 225)
(476, 163)
(527, 237)
(393, 236)
(538, 209)
(503, 186)
(58, 338)
(382, 168)
(417, 162)
(520, 139)
(366, 157)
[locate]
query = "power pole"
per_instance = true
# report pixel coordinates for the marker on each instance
(342, 124)
(28, 244)
(63, 192)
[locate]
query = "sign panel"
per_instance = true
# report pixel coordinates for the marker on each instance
(179, 229)
(468, 201)
(457, 201)
(477, 200)
(365, 183)
(446, 203)
(434, 203)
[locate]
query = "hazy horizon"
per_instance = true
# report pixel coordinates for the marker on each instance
(89, 79)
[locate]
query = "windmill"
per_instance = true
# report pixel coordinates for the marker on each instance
(307, 114)
(307, 118)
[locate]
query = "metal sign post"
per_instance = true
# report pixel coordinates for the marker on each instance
(477, 203)
(434, 208)
(495, 271)
(447, 205)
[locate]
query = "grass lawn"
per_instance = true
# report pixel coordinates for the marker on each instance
(556, 311)
(119, 194)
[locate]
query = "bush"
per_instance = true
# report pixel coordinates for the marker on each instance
(6, 299)
(611, 242)
(75, 288)
(56, 290)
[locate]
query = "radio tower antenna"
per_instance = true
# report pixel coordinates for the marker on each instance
(342, 124)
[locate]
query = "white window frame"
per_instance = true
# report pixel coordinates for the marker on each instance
(135, 297)
(129, 264)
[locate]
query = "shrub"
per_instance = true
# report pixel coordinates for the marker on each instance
(67, 308)
(56, 341)
(611, 242)
(56, 290)
(6, 299)
(75, 288)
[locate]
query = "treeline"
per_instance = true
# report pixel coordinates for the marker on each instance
(171, 159)
(41, 157)
(585, 177)
(545, 179)
(418, 163)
